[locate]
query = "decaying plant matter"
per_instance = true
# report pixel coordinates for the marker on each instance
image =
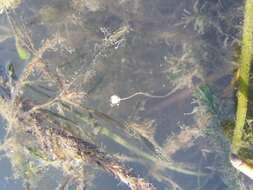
(59, 144)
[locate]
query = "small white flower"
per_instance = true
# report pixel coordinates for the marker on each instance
(115, 100)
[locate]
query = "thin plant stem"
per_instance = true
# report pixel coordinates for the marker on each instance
(245, 59)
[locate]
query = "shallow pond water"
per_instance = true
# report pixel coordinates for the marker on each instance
(175, 58)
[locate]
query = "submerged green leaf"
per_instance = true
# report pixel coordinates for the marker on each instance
(22, 52)
(11, 71)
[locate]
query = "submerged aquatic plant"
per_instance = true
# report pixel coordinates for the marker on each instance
(62, 146)
(56, 129)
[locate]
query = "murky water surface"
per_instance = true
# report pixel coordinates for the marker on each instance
(177, 56)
